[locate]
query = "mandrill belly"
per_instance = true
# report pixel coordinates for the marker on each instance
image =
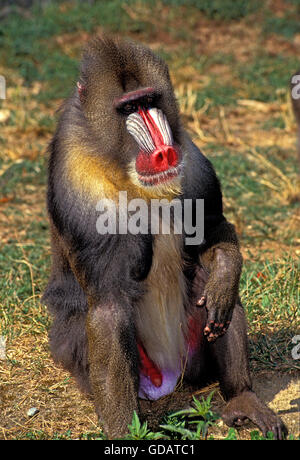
(164, 326)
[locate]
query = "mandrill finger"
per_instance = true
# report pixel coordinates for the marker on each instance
(226, 326)
(225, 317)
(279, 430)
(217, 323)
(200, 302)
(208, 328)
(212, 337)
(213, 330)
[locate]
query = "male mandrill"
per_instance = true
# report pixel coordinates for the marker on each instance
(134, 312)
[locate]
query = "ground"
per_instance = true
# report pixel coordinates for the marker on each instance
(231, 68)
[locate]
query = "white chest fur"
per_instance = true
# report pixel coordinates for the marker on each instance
(161, 319)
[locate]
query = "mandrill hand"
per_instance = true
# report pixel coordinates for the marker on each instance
(219, 315)
(220, 293)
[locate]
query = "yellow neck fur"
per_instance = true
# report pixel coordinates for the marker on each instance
(98, 178)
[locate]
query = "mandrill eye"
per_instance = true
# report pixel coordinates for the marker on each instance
(130, 102)
(128, 108)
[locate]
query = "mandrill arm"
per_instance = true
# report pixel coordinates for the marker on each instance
(218, 258)
(223, 262)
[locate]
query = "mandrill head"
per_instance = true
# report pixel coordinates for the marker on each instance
(127, 99)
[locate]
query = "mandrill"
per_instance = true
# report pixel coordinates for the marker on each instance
(133, 312)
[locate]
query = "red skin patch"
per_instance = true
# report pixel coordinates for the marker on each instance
(149, 369)
(162, 158)
(193, 339)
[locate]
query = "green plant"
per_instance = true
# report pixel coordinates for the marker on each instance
(257, 436)
(231, 435)
(138, 431)
(202, 416)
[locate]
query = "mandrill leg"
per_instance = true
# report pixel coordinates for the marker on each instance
(229, 363)
(113, 364)
(230, 354)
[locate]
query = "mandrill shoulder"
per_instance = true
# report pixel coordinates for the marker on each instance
(199, 178)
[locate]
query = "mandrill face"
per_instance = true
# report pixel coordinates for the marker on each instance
(158, 160)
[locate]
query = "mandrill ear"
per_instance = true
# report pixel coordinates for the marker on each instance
(81, 91)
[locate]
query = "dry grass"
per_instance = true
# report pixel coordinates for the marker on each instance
(30, 379)
(28, 376)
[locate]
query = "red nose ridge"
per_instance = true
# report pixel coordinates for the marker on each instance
(160, 160)
(164, 158)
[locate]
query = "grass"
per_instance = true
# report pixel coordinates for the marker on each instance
(220, 9)
(231, 69)
(189, 424)
(264, 75)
